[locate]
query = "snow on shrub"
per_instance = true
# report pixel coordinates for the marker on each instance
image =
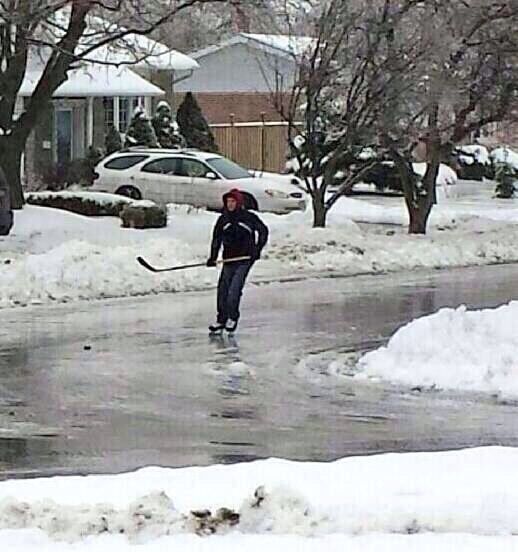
(144, 215)
(505, 162)
(473, 161)
(82, 203)
(505, 155)
(473, 153)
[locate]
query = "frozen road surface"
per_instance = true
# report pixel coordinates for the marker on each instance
(113, 385)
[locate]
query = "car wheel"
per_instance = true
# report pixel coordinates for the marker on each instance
(250, 202)
(129, 191)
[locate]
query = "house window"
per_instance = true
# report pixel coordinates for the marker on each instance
(108, 114)
(118, 111)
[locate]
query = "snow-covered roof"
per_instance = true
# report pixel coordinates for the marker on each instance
(135, 49)
(142, 51)
(281, 45)
(96, 80)
(289, 44)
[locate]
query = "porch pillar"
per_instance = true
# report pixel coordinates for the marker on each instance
(116, 107)
(90, 121)
(148, 105)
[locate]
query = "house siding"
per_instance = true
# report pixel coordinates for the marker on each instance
(239, 68)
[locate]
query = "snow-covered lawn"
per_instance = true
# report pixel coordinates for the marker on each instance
(457, 500)
(54, 255)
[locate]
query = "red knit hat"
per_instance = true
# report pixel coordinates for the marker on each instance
(236, 195)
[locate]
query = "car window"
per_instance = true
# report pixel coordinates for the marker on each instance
(124, 162)
(227, 168)
(193, 168)
(166, 165)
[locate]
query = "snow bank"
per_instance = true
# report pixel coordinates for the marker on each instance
(452, 349)
(80, 270)
(53, 255)
(441, 499)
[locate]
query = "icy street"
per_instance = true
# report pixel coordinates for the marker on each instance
(112, 385)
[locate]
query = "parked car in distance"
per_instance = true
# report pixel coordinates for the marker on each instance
(6, 214)
(192, 177)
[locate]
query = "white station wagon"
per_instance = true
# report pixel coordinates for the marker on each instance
(191, 177)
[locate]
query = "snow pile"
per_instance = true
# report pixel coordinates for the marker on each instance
(420, 499)
(147, 517)
(81, 270)
(452, 349)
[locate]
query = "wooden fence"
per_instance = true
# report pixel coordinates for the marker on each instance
(261, 146)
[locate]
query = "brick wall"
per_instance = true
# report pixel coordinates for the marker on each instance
(246, 106)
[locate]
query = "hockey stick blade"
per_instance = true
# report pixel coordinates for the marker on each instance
(145, 264)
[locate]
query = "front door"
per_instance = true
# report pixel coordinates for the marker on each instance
(64, 145)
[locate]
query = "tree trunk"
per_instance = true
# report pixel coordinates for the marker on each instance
(418, 219)
(419, 205)
(11, 151)
(319, 209)
(418, 212)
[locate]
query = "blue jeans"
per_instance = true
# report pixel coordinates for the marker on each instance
(230, 288)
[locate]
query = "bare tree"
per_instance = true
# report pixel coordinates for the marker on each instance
(59, 34)
(342, 87)
(466, 80)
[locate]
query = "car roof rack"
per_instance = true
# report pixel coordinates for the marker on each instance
(144, 149)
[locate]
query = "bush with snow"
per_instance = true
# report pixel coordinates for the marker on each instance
(506, 155)
(80, 202)
(473, 162)
(507, 180)
(166, 128)
(140, 131)
(83, 202)
(144, 215)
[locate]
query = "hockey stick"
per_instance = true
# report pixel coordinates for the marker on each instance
(145, 264)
